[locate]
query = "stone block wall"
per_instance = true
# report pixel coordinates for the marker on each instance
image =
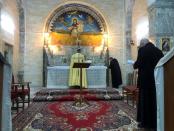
(161, 18)
(9, 7)
(37, 13)
(140, 14)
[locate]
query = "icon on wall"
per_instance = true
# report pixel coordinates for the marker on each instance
(74, 25)
(165, 44)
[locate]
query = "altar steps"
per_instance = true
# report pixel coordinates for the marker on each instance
(72, 94)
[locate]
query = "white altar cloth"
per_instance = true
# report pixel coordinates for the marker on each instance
(57, 77)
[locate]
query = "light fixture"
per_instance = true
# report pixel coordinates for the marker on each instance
(142, 30)
(7, 23)
(132, 42)
(46, 39)
(45, 45)
(105, 35)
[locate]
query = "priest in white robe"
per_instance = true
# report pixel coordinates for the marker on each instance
(74, 75)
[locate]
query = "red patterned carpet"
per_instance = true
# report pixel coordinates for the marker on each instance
(63, 116)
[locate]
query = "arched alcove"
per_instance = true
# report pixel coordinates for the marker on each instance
(76, 7)
(89, 33)
(73, 26)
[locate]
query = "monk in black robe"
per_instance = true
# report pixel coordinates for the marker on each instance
(148, 57)
(115, 72)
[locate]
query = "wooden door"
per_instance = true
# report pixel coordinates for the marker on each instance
(1, 90)
(169, 95)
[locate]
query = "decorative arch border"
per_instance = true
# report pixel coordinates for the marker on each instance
(79, 7)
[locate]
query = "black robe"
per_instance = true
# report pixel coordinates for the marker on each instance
(148, 57)
(115, 73)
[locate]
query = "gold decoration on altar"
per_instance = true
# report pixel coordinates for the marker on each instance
(87, 39)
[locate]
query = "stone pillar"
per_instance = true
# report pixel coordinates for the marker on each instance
(1, 47)
(128, 32)
(161, 21)
(20, 74)
(161, 25)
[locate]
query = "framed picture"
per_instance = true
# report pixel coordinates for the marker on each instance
(165, 44)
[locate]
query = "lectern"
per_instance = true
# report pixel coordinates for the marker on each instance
(80, 102)
(164, 78)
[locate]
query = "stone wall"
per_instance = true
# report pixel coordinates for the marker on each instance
(160, 16)
(37, 13)
(161, 19)
(140, 14)
(9, 7)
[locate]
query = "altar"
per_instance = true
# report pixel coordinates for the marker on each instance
(57, 77)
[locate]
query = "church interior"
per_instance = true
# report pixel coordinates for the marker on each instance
(55, 64)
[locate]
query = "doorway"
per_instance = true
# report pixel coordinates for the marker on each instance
(8, 53)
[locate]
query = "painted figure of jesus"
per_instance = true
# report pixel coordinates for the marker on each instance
(76, 28)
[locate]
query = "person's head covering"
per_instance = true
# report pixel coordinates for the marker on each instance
(111, 58)
(143, 42)
(78, 50)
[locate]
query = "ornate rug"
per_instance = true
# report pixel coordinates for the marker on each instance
(64, 116)
(72, 94)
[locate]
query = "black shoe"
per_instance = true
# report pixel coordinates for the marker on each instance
(140, 125)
